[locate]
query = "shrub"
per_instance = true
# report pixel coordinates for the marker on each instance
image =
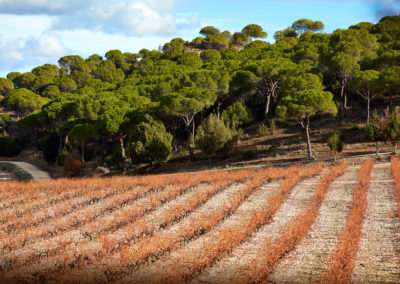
(73, 164)
(263, 130)
(212, 135)
(62, 156)
(335, 142)
(49, 144)
(249, 155)
(150, 142)
(8, 146)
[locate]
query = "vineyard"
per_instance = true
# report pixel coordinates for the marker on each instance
(316, 223)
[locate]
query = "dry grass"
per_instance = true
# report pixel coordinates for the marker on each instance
(341, 263)
(395, 168)
(272, 251)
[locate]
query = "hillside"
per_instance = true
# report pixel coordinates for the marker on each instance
(220, 94)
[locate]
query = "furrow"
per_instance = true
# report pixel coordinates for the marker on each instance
(377, 259)
(238, 260)
(305, 263)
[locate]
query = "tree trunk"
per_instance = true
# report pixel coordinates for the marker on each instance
(123, 155)
(266, 113)
(395, 148)
(341, 101)
(189, 142)
(308, 138)
(60, 144)
(218, 110)
(376, 145)
(368, 106)
(209, 160)
(103, 149)
(174, 140)
(335, 157)
(345, 100)
(83, 158)
(193, 129)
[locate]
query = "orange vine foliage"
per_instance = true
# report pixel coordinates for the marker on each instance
(295, 231)
(222, 241)
(395, 168)
(341, 263)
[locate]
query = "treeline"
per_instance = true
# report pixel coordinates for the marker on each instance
(139, 107)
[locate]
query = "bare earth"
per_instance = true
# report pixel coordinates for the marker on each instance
(378, 258)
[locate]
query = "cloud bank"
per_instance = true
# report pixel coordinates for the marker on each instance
(18, 54)
(127, 17)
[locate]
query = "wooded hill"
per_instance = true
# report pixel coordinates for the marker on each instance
(135, 108)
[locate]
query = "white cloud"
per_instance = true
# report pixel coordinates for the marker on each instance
(128, 17)
(40, 7)
(23, 55)
(47, 45)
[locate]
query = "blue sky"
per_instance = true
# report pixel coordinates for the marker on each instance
(34, 32)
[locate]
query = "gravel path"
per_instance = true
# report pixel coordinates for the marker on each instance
(36, 173)
(305, 263)
(4, 175)
(378, 257)
(237, 262)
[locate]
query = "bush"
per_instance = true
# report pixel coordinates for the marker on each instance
(212, 135)
(115, 158)
(49, 144)
(272, 126)
(73, 164)
(249, 155)
(335, 142)
(150, 142)
(8, 146)
(101, 171)
(62, 156)
(263, 130)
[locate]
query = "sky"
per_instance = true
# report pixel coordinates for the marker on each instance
(35, 32)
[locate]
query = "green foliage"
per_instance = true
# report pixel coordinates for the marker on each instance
(8, 146)
(150, 142)
(239, 38)
(254, 31)
(373, 130)
(116, 56)
(49, 144)
(304, 25)
(174, 48)
(209, 31)
(25, 80)
(392, 131)
(305, 104)
(335, 142)
(263, 130)
(23, 100)
(236, 115)
(82, 132)
(70, 61)
(18, 172)
(62, 156)
(6, 85)
(212, 135)
(5, 121)
(210, 55)
(191, 59)
(249, 155)
(46, 70)
(288, 32)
